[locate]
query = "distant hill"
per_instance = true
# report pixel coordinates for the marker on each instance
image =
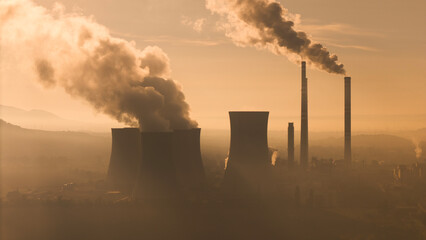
(36, 119)
(30, 158)
(44, 120)
(35, 113)
(17, 142)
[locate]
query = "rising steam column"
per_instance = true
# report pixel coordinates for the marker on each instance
(304, 155)
(348, 149)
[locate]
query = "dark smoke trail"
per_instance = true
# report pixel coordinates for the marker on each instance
(80, 55)
(262, 23)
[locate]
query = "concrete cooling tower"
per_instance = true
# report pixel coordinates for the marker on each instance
(248, 163)
(125, 155)
(187, 159)
(157, 172)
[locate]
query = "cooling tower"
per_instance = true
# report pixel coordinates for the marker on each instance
(290, 144)
(187, 159)
(125, 155)
(304, 154)
(348, 150)
(157, 173)
(248, 154)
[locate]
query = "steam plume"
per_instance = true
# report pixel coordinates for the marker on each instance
(264, 24)
(80, 55)
(418, 150)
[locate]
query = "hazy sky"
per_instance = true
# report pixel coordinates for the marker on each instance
(382, 44)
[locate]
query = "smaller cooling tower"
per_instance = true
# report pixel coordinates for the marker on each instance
(187, 159)
(248, 161)
(125, 155)
(157, 172)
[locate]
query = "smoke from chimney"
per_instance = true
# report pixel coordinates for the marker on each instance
(76, 53)
(264, 24)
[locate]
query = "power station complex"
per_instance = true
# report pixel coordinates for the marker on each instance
(168, 165)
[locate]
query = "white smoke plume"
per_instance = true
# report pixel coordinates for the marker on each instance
(274, 156)
(267, 24)
(76, 53)
(418, 150)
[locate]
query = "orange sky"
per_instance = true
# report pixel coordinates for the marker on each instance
(382, 44)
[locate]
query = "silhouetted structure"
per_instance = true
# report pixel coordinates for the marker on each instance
(248, 154)
(187, 159)
(348, 150)
(290, 144)
(304, 152)
(125, 155)
(157, 172)
(297, 199)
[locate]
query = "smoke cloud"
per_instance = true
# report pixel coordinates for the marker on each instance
(76, 53)
(266, 24)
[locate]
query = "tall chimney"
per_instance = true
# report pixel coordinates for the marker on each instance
(125, 155)
(290, 144)
(248, 154)
(304, 154)
(348, 150)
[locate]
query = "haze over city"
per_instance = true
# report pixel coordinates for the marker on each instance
(212, 119)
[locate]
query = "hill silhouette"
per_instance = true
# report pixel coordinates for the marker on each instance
(31, 158)
(44, 120)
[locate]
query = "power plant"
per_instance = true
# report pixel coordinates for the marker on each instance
(248, 153)
(156, 165)
(304, 149)
(166, 165)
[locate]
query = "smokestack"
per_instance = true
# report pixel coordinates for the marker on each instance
(157, 173)
(187, 159)
(348, 148)
(248, 154)
(304, 154)
(290, 144)
(125, 155)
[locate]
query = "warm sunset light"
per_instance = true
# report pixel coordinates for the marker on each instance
(212, 119)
